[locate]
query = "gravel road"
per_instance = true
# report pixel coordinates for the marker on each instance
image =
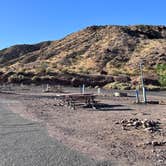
(26, 143)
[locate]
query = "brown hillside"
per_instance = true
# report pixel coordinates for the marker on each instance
(109, 50)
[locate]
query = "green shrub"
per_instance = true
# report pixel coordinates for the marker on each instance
(161, 71)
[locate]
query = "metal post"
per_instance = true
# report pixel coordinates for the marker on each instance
(137, 96)
(144, 95)
(80, 89)
(47, 88)
(142, 81)
(98, 91)
(143, 88)
(83, 89)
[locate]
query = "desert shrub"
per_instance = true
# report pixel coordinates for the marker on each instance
(64, 70)
(84, 70)
(42, 68)
(117, 85)
(163, 80)
(161, 71)
(118, 71)
(16, 78)
(22, 70)
(152, 87)
(36, 79)
(29, 59)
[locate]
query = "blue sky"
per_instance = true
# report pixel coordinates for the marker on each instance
(32, 21)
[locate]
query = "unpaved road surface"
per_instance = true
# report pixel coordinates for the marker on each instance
(26, 143)
(96, 133)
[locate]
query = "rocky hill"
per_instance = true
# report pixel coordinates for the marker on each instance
(109, 51)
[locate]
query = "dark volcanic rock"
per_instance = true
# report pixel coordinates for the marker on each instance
(150, 80)
(122, 78)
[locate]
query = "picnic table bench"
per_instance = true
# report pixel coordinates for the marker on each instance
(74, 99)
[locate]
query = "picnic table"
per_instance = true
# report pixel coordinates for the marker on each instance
(74, 99)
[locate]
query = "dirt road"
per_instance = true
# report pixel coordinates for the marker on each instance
(97, 133)
(26, 143)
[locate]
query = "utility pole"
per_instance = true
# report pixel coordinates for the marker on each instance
(143, 87)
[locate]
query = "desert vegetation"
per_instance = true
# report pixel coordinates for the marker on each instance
(161, 70)
(109, 51)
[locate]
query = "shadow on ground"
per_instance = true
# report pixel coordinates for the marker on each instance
(109, 107)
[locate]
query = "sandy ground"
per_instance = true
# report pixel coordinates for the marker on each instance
(99, 133)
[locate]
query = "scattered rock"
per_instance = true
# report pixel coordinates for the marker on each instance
(123, 121)
(153, 102)
(117, 122)
(148, 125)
(162, 102)
(120, 94)
(156, 143)
(137, 124)
(151, 80)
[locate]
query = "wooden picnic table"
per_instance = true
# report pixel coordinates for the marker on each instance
(73, 99)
